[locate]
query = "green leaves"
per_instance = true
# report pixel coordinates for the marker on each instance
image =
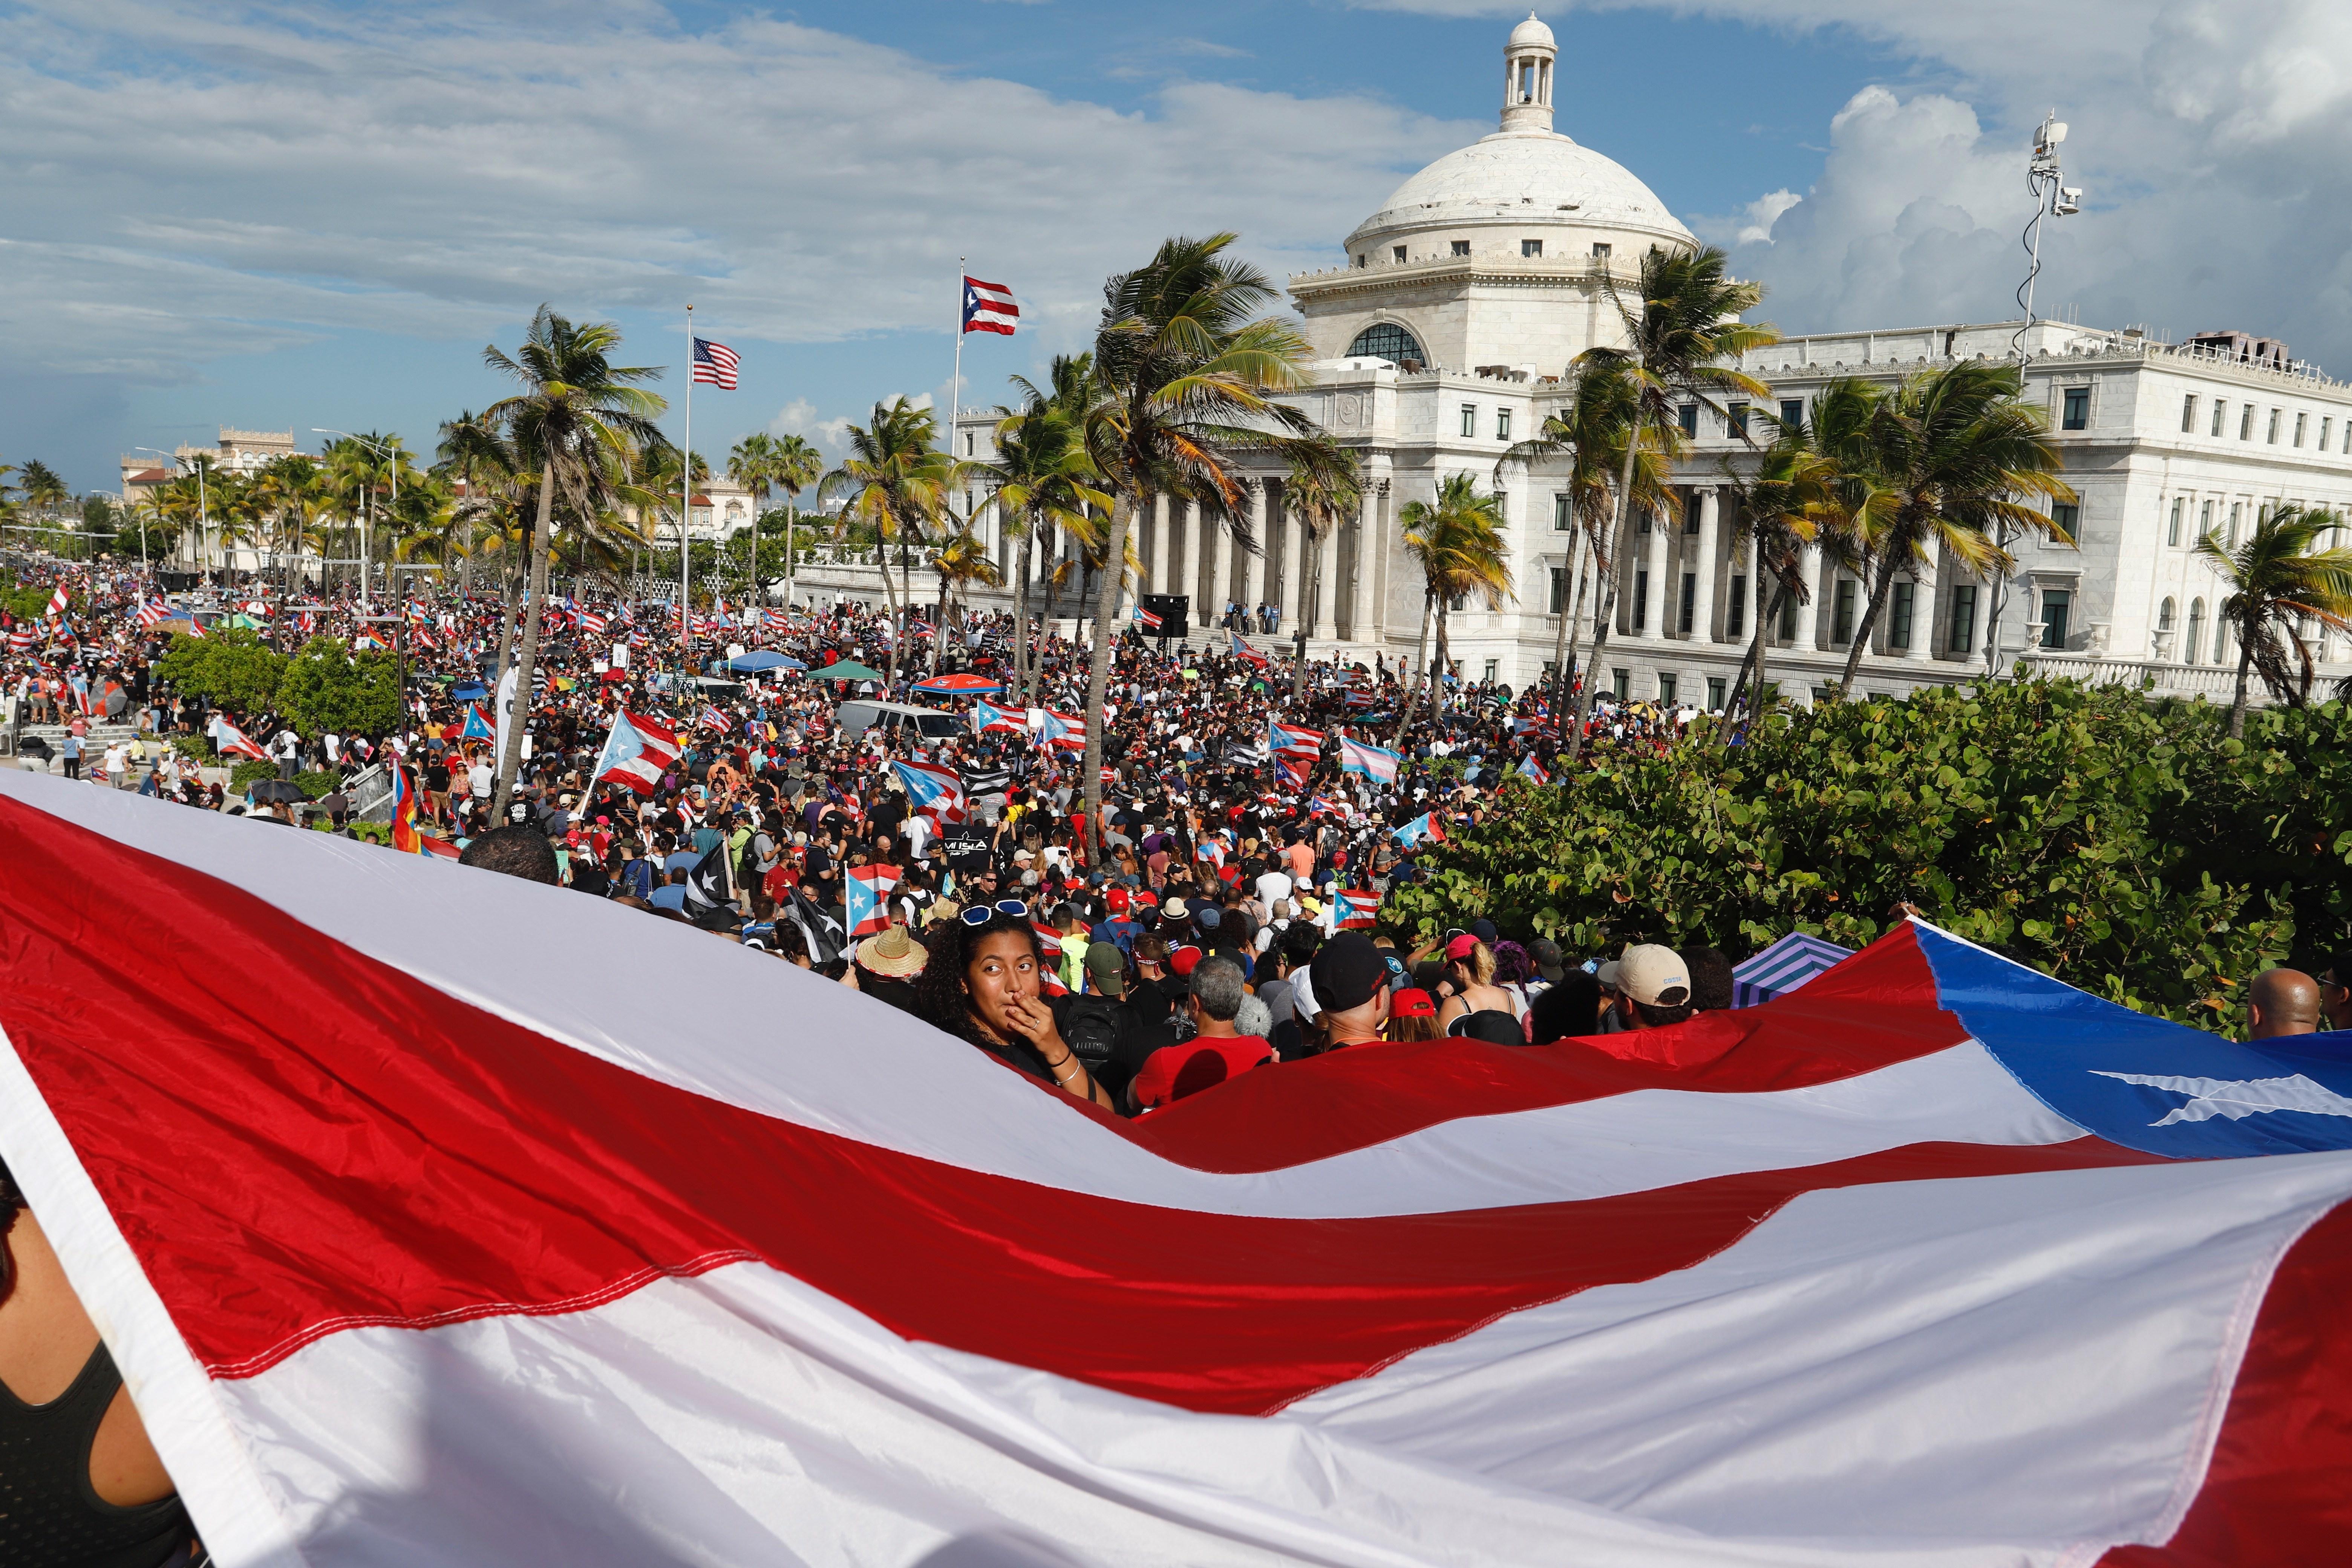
(2125, 845)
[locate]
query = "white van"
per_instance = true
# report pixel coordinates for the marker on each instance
(858, 717)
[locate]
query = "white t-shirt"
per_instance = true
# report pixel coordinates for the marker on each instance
(1273, 885)
(483, 779)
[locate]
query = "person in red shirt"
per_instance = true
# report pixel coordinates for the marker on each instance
(1216, 1052)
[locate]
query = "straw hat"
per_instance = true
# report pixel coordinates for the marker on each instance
(894, 954)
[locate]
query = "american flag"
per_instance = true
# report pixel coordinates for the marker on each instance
(714, 364)
(988, 307)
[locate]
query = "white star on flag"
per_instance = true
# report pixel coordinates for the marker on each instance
(2212, 1097)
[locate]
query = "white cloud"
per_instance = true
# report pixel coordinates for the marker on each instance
(184, 182)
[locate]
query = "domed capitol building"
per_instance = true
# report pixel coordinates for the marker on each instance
(1444, 333)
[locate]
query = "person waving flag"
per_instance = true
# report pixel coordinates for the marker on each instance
(1066, 730)
(863, 889)
(1247, 653)
(1423, 829)
(988, 307)
(235, 743)
(1377, 763)
(1294, 741)
(636, 753)
(987, 716)
(1146, 619)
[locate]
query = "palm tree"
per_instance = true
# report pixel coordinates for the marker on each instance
(1955, 456)
(578, 419)
(1783, 505)
(472, 452)
(2277, 580)
(1590, 433)
(1324, 488)
(1682, 323)
(1042, 476)
(1188, 376)
(771, 463)
(1457, 542)
(961, 561)
(895, 480)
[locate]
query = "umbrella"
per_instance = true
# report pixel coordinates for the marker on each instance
(752, 663)
(846, 669)
(277, 790)
(961, 685)
(470, 691)
(1782, 967)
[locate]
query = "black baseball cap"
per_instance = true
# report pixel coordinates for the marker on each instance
(1347, 970)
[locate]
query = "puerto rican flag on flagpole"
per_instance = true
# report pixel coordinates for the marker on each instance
(988, 307)
(637, 750)
(1932, 1263)
(1066, 730)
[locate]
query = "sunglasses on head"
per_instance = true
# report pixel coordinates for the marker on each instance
(981, 914)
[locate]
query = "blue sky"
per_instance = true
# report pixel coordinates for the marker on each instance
(273, 216)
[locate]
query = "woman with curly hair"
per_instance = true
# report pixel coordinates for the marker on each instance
(980, 984)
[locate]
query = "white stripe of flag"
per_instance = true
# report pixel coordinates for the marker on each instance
(989, 308)
(714, 364)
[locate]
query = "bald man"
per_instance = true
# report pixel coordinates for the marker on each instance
(2282, 1002)
(2334, 994)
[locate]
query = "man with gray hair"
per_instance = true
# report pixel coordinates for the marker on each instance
(1217, 1051)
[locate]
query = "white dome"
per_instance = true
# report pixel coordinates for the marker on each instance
(1522, 178)
(1532, 31)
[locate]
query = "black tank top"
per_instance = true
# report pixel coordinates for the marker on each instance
(49, 1517)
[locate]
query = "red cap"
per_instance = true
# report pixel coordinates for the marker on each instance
(1413, 1002)
(1339, 857)
(1185, 959)
(1462, 946)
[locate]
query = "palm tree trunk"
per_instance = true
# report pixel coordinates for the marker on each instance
(1421, 667)
(1894, 554)
(1560, 637)
(2238, 702)
(1752, 667)
(542, 536)
(1306, 612)
(1021, 622)
(897, 628)
(1122, 515)
(1606, 609)
(1444, 665)
(507, 590)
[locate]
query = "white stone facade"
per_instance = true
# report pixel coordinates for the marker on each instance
(2137, 420)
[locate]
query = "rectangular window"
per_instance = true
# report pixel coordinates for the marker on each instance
(2246, 422)
(2235, 508)
(1396, 253)
(1502, 424)
(1898, 626)
(2300, 421)
(1494, 671)
(1792, 412)
(2323, 423)
(2271, 438)
(967, 444)
(2347, 437)
(1641, 600)
(1735, 610)
(1841, 624)
(2172, 531)
(2066, 516)
(2078, 408)
(1665, 688)
(1735, 420)
(1690, 601)
(1600, 251)
(1559, 589)
(1562, 523)
(1688, 417)
(1470, 419)
(1963, 639)
(1531, 248)
(2204, 520)
(2055, 602)
(1714, 694)
(2189, 414)
(1788, 617)
(1460, 247)
(1622, 682)
(2221, 406)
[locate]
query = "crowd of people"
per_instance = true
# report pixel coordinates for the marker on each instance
(1224, 916)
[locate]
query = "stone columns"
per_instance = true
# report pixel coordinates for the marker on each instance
(1661, 598)
(1809, 572)
(1253, 573)
(1298, 549)
(1703, 607)
(1824, 577)
(1372, 543)
(1923, 603)
(1220, 551)
(1327, 621)
(1743, 566)
(1179, 580)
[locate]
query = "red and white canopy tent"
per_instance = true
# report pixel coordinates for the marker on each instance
(555, 1233)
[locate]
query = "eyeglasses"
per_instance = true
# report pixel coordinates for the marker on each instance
(981, 914)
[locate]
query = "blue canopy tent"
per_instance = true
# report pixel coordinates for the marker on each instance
(1783, 967)
(762, 660)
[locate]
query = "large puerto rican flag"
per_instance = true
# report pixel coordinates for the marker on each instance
(560, 1233)
(637, 750)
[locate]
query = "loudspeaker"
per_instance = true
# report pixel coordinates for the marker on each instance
(1173, 610)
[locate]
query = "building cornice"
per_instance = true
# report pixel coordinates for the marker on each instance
(1526, 272)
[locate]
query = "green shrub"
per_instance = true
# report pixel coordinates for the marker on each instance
(231, 667)
(2128, 847)
(326, 687)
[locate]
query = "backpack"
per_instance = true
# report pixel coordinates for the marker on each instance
(1091, 1027)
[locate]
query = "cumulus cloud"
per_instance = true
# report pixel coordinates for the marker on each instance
(186, 181)
(2208, 135)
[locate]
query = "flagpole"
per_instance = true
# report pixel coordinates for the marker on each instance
(685, 518)
(955, 401)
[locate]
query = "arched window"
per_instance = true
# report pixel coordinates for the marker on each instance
(2164, 616)
(1390, 342)
(2195, 631)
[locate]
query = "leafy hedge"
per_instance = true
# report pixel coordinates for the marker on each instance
(2126, 846)
(324, 687)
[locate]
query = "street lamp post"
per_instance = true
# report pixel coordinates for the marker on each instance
(390, 455)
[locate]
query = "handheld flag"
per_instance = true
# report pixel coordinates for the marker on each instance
(1294, 772)
(989, 308)
(1423, 829)
(864, 888)
(1294, 741)
(1377, 763)
(710, 718)
(1248, 654)
(1358, 910)
(405, 837)
(59, 600)
(1147, 620)
(1534, 769)
(636, 753)
(235, 743)
(1066, 730)
(937, 791)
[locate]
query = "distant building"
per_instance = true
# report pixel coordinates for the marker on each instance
(1458, 306)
